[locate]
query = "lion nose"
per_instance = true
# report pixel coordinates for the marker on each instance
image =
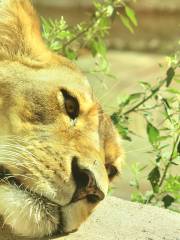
(86, 185)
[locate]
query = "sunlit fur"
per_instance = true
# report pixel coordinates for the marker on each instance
(38, 140)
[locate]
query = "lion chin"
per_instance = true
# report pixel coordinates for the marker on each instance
(58, 150)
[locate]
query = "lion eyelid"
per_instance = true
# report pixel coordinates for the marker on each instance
(71, 104)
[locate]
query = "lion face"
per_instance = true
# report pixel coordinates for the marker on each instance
(58, 149)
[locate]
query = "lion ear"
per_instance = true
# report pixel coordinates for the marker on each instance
(114, 154)
(20, 31)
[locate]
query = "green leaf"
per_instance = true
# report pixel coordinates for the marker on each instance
(177, 80)
(137, 197)
(134, 183)
(126, 23)
(174, 91)
(143, 168)
(135, 96)
(165, 101)
(163, 146)
(154, 177)
(170, 74)
(153, 133)
(98, 47)
(164, 138)
(70, 54)
(131, 15)
(115, 118)
(145, 85)
(172, 185)
(168, 200)
(174, 163)
(126, 99)
(63, 35)
(109, 10)
(178, 148)
(55, 46)
(123, 131)
(121, 127)
(158, 159)
(123, 100)
(45, 24)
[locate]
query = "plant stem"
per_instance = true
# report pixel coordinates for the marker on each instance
(92, 23)
(89, 26)
(166, 168)
(153, 92)
(169, 162)
(77, 36)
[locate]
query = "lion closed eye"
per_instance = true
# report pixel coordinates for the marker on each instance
(58, 150)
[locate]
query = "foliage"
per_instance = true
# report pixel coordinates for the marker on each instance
(164, 138)
(162, 97)
(69, 40)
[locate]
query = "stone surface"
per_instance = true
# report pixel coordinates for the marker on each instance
(116, 219)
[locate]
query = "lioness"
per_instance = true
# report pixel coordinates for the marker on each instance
(58, 149)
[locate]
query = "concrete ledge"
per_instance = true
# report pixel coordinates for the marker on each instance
(116, 219)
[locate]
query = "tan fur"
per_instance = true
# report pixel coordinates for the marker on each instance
(38, 140)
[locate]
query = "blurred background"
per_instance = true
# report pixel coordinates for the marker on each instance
(133, 57)
(159, 23)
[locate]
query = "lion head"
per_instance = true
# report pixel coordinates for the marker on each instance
(58, 149)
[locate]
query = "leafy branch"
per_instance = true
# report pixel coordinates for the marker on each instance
(146, 103)
(154, 90)
(69, 40)
(137, 100)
